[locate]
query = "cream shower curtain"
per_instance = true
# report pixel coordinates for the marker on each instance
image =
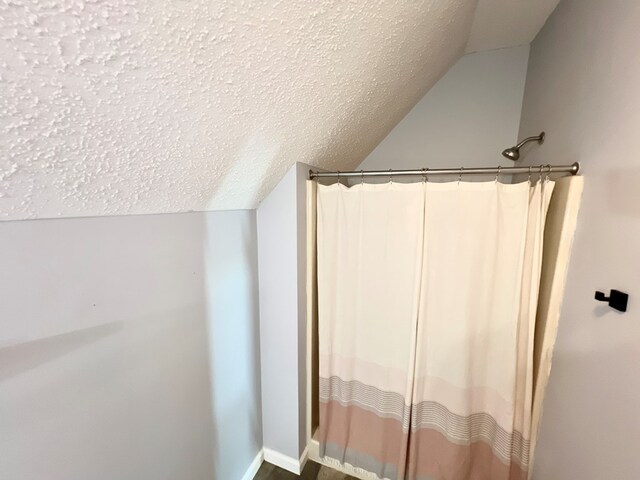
(427, 296)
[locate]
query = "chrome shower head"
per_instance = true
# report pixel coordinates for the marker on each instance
(513, 153)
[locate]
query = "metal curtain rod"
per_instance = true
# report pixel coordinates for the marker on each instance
(548, 169)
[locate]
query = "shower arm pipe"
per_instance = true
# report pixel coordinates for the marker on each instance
(573, 169)
(535, 138)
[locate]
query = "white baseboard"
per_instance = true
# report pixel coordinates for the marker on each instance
(293, 465)
(303, 458)
(254, 467)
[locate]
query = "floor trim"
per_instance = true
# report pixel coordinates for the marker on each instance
(254, 467)
(281, 460)
(303, 458)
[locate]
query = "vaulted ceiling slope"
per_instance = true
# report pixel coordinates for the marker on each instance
(141, 106)
(508, 23)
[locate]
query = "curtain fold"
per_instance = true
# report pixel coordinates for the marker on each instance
(427, 296)
(558, 242)
(370, 240)
(472, 384)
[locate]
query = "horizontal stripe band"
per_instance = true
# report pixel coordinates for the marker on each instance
(458, 429)
(353, 435)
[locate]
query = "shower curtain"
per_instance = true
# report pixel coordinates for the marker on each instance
(427, 296)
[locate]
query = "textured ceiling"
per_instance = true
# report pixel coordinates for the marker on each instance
(144, 106)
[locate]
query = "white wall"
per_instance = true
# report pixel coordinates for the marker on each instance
(466, 119)
(282, 263)
(231, 260)
(583, 89)
(129, 347)
(302, 174)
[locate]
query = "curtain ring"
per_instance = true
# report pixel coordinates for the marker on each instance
(541, 171)
(361, 177)
(546, 179)
(530, 167)
(338, 176)
(460, 175)
(497, 174)
(424, 174)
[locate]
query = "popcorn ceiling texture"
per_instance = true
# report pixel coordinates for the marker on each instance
(116, 107)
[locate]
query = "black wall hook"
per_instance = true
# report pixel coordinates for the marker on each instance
(616, 299)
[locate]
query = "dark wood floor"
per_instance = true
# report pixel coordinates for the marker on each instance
(312, 471)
